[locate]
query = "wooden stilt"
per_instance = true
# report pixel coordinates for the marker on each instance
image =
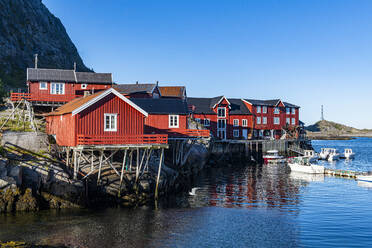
(75, 164)
(100, 166)
(140, 166)
(137, 164)
(122, 169)
(159, 170)
(92, 161)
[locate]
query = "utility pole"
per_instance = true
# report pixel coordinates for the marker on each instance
(322, 114)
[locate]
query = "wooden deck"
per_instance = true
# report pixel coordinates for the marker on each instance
(144, 139)
(16, 97)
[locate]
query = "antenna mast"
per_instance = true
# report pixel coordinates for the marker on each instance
(322, 114)
(36, 61)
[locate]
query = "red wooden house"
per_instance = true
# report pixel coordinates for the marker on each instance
(225, 118)
(168, 116)
(51, 87)
(138, 90)
(104, 118)
(272, 117)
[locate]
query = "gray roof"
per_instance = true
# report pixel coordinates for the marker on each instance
(58, 75)
(205, 105)
(272, 102)
(135, 88)
(162, 105)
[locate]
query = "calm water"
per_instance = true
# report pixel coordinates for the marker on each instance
(259, 206)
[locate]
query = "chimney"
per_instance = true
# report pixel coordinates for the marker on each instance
(36, 61)
(74, 66)
(157, 83)
(136, 82)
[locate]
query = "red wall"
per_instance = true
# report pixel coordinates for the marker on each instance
(159, 123)
(71, 88)
(63, 127)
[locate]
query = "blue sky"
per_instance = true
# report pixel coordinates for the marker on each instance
(305, 52)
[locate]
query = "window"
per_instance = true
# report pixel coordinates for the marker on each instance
(258, 109)
(264, 109)
(43, 85)
(276, 110)
(197, 120)
(236, 123)
(57, 88)
(288, 121)
(264, 120)
(84, 86)
(173, 121)
(276, 120)
(221, 124)
(207, 122)
(258, 120)
(244, 123)
(293, 121)
(260, 133)
(288, 111)
(255, 133)
(236, 133)
(111, 122)
(293, 111)
(221, 112)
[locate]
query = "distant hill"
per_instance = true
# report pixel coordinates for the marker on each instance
(332, 129)
(27, 27)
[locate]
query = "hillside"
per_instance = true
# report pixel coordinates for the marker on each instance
(331, 129)
(27, 27)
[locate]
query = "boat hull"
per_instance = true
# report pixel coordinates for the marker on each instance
(312, 169)
(364, 178)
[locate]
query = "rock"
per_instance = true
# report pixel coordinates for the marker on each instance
(27, 202)
(3, 183)
(145, 185)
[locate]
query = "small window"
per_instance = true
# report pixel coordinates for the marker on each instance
(264, 120)
(43, 85)
(293, 121)
(288, 121)
(84, 86)
(258, 109)
(288, 111)
(258, 120)
(197, 120)
(111, 122)
(260, 133)
(276, 110)
(244, 123)
(293, 111)
(57, 88)
(276, 120)
(236, 123)
(255, 133)
(173, 121)
(236, 133)
(207, 122)
(221, 112)
(264, 109)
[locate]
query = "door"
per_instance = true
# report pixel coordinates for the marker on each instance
(221, 128)
(245, 133)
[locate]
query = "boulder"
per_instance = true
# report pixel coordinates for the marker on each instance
(16, 173)
(3, 183)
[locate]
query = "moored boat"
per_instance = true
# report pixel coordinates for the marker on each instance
(365, 178)
(333, 155)
(324, 153)
(348, 154)
(302, 164)
(311, 155)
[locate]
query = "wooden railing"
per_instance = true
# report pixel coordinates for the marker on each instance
(189, 133)
(16, 97)
(122, 140)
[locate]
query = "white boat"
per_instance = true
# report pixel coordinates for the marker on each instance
(324, 153)
(348, 154)
(273, 156)
(311, 155)
(333, 155)
(302, 164)
(364, 178)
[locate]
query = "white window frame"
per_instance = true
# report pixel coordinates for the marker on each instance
(207, 122)
(111, 128)
(258, 110)
(53, 88)
(293, 121)
(293, 111)
(244, 123)
(43, 88)
(258, 120)
(276, 123)
(288, 120)
(84, 86)
(264, 120)
(276, 110)
(218, 112)
(174, 121)
(264, 109)
(236, 122)
(197, 120)
(236, 133)
(288, 111)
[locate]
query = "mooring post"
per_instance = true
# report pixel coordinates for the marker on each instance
(159, 169)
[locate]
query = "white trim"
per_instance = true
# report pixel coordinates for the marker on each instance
(264, 122)
(104, 94)
(116, 122)
(85, 86)
(221, 116)
(279, 101)
(223, 97)
(57, 83)
(276, 118)
(246, 101)
(75, 76)
(244, 124)
(178, 121)
(237, 122)
(209, 122)
(236, 131)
